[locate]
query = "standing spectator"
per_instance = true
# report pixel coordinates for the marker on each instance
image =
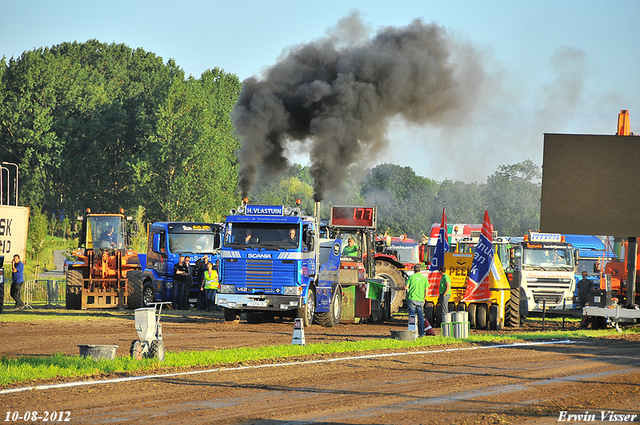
(584, 287)
(416, 286)
(17, 279)
(210, 285)
(180, 271)
(445, 291)
(188, 283)
(201, 268)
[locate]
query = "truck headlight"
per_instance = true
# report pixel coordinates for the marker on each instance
(292, 290)
(227, 289)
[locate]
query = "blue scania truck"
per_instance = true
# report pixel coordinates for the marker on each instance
(274, 264)
(166, 242)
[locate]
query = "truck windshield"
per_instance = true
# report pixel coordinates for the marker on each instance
(407, 254)
(192, 243)
(105, 232)
(262, 235)
(547, 258)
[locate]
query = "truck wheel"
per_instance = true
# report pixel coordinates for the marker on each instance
(428, 312)
(156, 351)
(438, 319)
(135, 289)
(307, 312)
(387, 271)
(461, 307)
(231, 315)
(332, 317)
(473, 307)
(493, 317)
(481, 316)
(512, 309)
(524, 305)
(74, 290)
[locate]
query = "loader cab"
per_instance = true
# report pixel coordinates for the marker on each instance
(104, 232)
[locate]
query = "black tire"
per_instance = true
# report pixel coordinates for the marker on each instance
(524, 305)
(461, 307)
(481, 316)
(473, 309)
(332, 317)
(231, 315)
(493, 317)
(452, 307)
(74, 290)
(156, 351)
(429, 313)
(307, 311)
(387, 271)
(512, 309)
(135, 288)
(136, 350)
(438, 318)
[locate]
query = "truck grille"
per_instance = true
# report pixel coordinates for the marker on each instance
(548, 289)
(259, 275)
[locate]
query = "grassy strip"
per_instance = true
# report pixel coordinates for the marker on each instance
(23, 369)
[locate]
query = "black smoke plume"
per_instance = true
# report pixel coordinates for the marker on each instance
(337, 95)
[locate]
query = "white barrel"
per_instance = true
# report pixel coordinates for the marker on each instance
(446, 324)
(461, 329)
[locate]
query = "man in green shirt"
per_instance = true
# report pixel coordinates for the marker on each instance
(351, 250)
(416, 287)
(445, 290)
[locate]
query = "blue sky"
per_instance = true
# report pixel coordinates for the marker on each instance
(551, 66)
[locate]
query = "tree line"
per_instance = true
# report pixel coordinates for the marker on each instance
(106, 126)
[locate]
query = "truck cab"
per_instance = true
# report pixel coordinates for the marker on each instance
(544, 267)
(270, 264)
(166, 242)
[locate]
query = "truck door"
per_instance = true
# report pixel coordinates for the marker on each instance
(157, 251)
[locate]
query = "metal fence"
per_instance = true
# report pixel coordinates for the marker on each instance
(41, 292)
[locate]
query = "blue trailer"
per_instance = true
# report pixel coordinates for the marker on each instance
(275, 264)
(166, 242)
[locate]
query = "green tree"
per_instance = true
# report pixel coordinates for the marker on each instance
(37, 235)
(404, 199)
(190, 167)
(463, 202)
(512, 195)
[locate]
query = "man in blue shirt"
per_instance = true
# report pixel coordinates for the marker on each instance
(17, 279)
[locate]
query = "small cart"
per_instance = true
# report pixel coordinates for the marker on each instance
(149, 330)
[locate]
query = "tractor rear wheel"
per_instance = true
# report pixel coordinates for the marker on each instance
(524, 306)
(512, 309)
(332, 317)
(387, 271)
(74, 290)
(1, 295)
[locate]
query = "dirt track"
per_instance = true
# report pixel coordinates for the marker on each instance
(471, 384)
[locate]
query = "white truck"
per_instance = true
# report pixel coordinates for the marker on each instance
(544, 267)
